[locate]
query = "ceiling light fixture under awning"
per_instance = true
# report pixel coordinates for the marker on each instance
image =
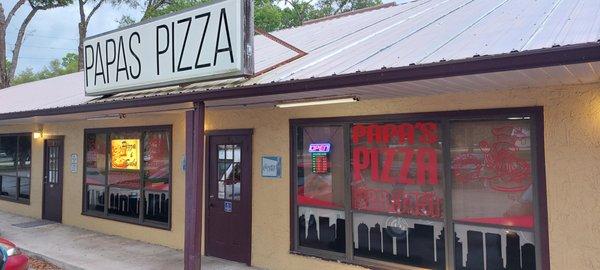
(317, 102)
(107, 117)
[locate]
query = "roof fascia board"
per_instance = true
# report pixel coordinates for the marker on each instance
(556, 56)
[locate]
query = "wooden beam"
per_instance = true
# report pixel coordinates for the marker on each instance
(193, 186)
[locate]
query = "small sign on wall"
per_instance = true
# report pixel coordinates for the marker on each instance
(74, 161)
(271, 166)
(228, 207)
(183, 163)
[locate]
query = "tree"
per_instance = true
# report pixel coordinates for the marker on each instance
(56, 67)
(155, 8)
(7, 72)
(84, 19)
(269, 15)
(25, 76)
(334, 7)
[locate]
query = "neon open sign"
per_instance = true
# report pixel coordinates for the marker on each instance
(319, 148)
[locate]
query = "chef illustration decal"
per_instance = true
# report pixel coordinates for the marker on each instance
(499, 166)
(125, 154)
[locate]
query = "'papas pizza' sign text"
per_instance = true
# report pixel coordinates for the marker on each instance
(209, 42)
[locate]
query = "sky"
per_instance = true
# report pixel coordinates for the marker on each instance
(53, 33)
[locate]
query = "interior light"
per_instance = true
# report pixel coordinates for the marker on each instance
(316, 102)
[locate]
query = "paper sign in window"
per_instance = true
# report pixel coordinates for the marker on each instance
(125, 154)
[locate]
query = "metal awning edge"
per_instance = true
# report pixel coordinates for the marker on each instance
(546, 57)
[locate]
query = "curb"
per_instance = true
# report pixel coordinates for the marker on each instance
(60, 264)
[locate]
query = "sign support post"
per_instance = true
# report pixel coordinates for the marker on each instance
(193, 186)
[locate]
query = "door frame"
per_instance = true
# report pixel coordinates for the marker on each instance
(61, 173)
(245, 170)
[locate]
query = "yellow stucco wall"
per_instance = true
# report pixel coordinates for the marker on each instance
(572, 145)
(72, 182)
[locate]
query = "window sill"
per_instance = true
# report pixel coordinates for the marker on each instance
(150, 224)
(13, 200)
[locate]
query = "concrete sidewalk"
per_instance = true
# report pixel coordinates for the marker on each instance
(73, 248)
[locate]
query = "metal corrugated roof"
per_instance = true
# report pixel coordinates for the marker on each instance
(62, 91)
(418, 32)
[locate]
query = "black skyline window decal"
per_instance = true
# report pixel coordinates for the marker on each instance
(399, 175)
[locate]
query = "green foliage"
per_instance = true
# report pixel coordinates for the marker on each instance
(269, 15)
(25, 76)
(56, 67)
(48, 4)
(332, 7)
(170, 7)
(125, 21)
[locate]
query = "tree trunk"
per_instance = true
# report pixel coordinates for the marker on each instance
(3, 69)
(4, 22)
(82, 34)
(18, 43)
(13, 11)
(84, 21)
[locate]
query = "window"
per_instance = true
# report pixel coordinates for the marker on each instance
(491, 165)
(229, 171)
(374, 192)
(128, 175)
(398, 192)
(320, 188)
(15, 167)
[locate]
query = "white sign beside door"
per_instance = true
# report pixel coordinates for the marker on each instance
(74, 163)
(271, 166)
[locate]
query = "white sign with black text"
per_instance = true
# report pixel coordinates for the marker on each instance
(271, 166)
(213, 41)
(74, 163)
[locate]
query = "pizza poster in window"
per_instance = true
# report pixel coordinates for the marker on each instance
(125, 154)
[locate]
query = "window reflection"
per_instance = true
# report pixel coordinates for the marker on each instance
(8, 155)
(156, 206)
(15, 166)
(124, 202)
(95, 159)
(229, 171)
(321, 177)
(8, 186)
(491, 165)
(95, 198)
(133, 169)
(24, 188)
(157, 152)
